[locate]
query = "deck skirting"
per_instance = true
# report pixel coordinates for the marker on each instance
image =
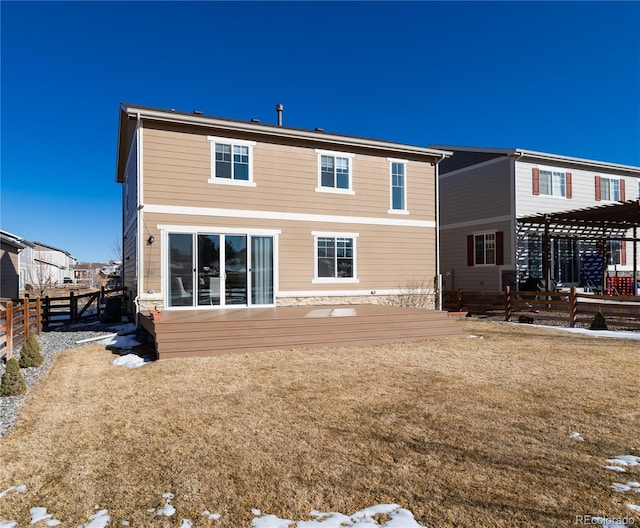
(190, 333)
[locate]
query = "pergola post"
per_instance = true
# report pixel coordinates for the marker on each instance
(546, 254)
(635, 261)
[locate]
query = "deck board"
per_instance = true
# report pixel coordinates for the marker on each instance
(188, 333)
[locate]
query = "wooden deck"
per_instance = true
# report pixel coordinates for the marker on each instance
(189, 333)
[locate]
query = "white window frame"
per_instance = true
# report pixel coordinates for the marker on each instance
(552, 174)
(334, 280)
(611, 189)
(334, 154)
(404, 163)
(484, 248)
(232, 143)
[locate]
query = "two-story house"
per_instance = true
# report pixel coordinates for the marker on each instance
(226, 213)
(484, 194)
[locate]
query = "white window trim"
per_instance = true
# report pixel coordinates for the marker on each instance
(232, 142)
(334, 280)
(495, 253)
(391, 210)
(610, 179)
(335, 154)
(552, 170)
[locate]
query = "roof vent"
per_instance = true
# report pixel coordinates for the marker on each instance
(279, 109)
(319, 129)
(254, 120)
(197, 112)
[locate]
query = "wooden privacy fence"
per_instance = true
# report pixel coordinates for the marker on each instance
(19, 318)
(573, 306)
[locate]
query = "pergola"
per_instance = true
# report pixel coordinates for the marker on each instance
(604, 222)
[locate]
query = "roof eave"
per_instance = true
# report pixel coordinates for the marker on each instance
(282, 132)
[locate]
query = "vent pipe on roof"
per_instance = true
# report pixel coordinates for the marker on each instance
(279, 109)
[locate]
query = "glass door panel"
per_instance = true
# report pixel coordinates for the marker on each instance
(261, 270)
(180, 269)
(209, 270)
(235, 269)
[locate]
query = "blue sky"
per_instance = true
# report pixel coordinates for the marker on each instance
(559, 77)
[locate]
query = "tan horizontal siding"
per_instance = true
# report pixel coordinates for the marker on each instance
(387, 256)
(177, 168)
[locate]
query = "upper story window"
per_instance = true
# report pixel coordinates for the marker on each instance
(550, 182)
(231, 161)
(609, 189)
(398, 184)
(335, 172)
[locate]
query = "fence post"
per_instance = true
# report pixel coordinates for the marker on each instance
(9, 329)
(507, 303)
(459, 300)
(573, 307)
(46, 311)
(73, 307)
(26, 306)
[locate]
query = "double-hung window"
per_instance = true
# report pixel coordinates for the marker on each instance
(231, 161)
(485, 248)
(335, 257)
(553, 183)
(609, 189)
(398, 185)
(335, 172)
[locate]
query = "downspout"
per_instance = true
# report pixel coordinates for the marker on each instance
(514, 220)
(136, 300)
(437, 191)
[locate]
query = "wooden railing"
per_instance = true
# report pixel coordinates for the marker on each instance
(572, 306)
(25, 316)
(17, 321)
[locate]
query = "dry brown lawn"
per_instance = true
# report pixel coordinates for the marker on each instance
(470, 432)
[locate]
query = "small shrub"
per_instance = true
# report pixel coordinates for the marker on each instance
(30, 355)
(598, 322)
(12, 383)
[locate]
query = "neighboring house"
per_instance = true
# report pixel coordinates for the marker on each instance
(483, 193)
(94, 274)
(10, 247)
(226, 213)
(51, 266)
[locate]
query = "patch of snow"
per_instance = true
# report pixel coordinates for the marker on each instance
(255, 511)
(615, 468)
(8, 524)
(594, 333)
(167, 510)
(633, 507)
(186, 523)
(577, 436)
(343, 312)
(16, 489)
(624, 488)
(121, 341)
(128, 361)
(40, 514)
(98, 520)
(211, 516)
(625, 460)
(398, 518)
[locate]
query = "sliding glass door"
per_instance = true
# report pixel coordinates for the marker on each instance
(217, 270)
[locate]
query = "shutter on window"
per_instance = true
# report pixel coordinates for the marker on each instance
(598, 188)
(535, 179)
(623, 251)
(499, 248)
(569, 186)
(622, 198)
(470, 252)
